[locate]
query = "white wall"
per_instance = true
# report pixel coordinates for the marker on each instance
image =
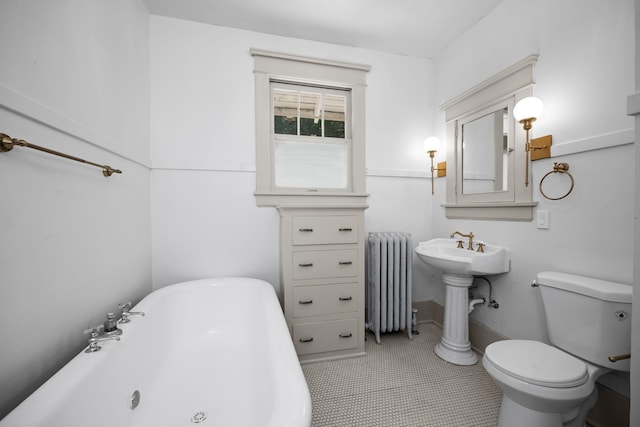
(204, 218)
(583, 76)
(73, 244)
(635, 327)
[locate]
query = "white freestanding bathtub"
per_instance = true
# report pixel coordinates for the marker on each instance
(213, 352)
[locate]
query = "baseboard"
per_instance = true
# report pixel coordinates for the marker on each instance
(611, 409)
(429, 311)
(479, 335)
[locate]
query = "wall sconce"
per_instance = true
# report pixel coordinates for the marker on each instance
(526, 111)
(431, 145)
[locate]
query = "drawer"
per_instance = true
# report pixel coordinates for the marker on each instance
(324, 264)
(322, 230)
(319, 300)
(325, 336)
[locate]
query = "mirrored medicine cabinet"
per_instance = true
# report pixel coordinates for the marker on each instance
(485, 149)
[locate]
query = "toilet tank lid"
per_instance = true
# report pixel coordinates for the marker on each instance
(596, 288)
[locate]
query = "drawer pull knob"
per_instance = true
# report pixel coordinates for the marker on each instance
(345, 262)
(306, 339)
(306, 301)
(308, 264)
(346, 335)
(305, 230)
(345, 298)
(345, 229)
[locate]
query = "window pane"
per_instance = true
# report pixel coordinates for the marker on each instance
(310, 114)
(334, 114)
(311, 165)
(285, 112)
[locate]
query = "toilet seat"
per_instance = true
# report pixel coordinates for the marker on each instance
(537, 363)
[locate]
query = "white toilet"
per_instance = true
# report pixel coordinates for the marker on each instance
(587, 321)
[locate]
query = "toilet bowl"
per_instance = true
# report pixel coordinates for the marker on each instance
(554, 385)
(549, 386)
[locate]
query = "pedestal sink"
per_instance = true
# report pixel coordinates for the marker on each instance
(458, 267)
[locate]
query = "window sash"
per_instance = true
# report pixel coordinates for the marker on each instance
(303, 160)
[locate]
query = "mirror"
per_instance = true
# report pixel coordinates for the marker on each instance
(485, 153)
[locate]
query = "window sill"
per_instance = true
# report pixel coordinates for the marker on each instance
(519, 211)
(301, 199)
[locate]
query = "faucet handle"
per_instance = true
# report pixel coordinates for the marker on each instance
(94, 331)
(460, 246)
(126, 314)
(124, 307)
(480, 246)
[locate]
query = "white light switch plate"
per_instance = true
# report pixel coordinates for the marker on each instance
(542, 219)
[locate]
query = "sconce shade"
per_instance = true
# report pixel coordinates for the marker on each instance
(432, 144)
(527, 108)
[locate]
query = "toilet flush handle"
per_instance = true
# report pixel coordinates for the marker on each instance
(614, 359)
(534, 284)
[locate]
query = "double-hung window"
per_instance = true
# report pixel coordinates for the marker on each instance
(310, 137)
(310, 131)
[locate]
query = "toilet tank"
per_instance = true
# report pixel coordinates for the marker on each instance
(587, 317)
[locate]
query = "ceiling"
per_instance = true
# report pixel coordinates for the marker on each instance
(419, 28)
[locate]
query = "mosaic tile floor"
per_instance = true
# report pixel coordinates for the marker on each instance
(401, 382)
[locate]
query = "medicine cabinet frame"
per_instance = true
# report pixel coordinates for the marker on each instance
(504, 89)
(274, 67)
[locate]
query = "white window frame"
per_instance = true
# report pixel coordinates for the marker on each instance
(279, 67)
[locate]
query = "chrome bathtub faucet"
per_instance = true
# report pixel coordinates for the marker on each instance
(124, 308)
(110, 326)
(96, 338)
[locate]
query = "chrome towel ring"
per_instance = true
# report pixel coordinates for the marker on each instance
(562, 168)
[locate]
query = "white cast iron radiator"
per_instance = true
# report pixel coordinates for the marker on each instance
(389, 265)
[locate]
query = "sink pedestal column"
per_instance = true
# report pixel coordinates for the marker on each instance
(454, 345)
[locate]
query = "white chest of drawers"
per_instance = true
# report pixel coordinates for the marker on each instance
(322, 280)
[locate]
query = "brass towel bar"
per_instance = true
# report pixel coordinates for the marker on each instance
(7, 143)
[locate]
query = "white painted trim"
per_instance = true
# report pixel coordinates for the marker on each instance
(597, 142)
(298, 58)
(529, 61)
(219, 167)
(251, 168)
(399, 173)
(31, 109)
(633, 104)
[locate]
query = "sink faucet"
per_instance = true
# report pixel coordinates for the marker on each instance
(470, 236)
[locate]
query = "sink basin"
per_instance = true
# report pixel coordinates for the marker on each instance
(444, 255)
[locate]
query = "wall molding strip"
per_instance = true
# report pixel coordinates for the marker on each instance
(597, 142)
(218, 167)
(31, 109)
(398, 173)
